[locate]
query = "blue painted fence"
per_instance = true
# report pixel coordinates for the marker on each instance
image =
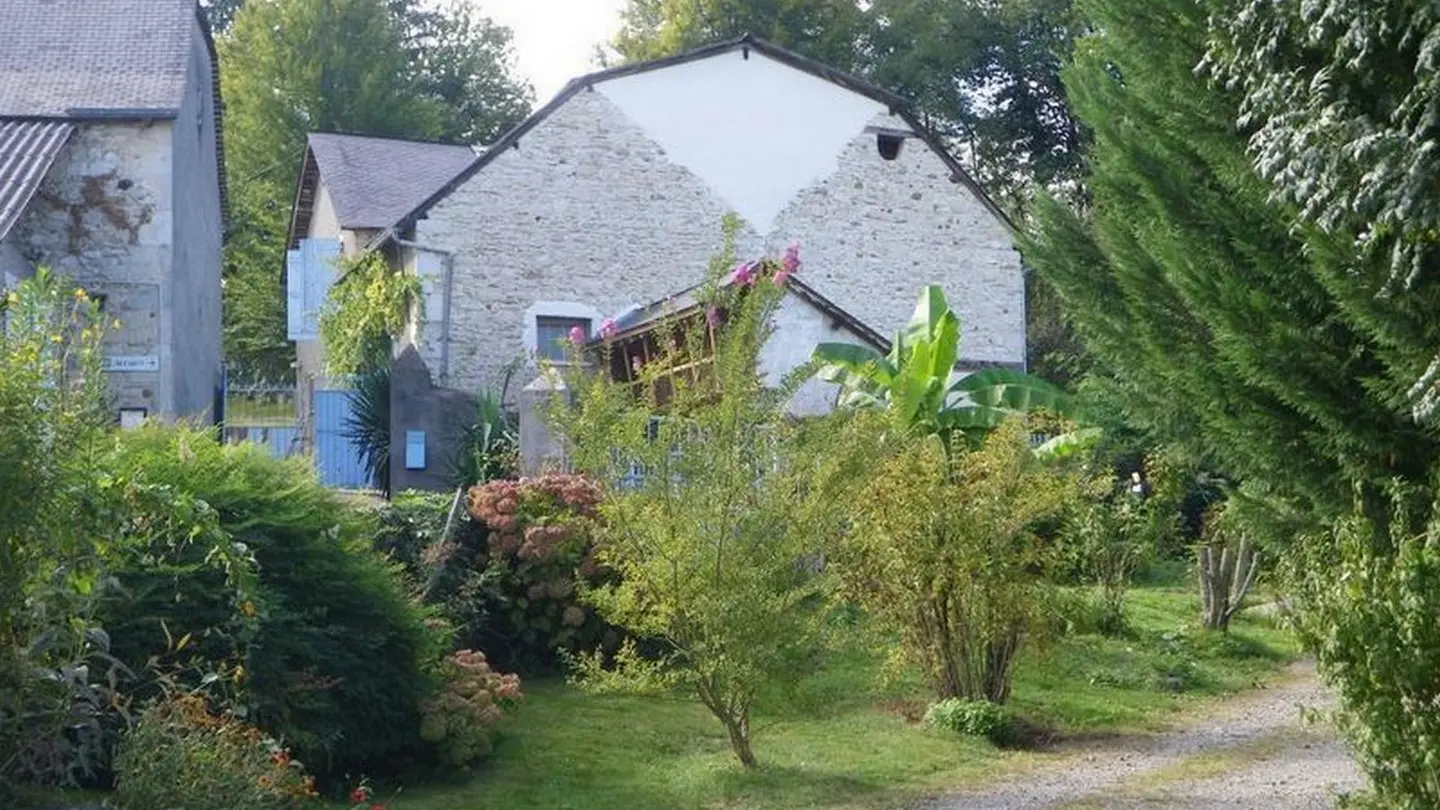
(337, 458)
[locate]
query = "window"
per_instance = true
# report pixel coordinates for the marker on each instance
(552, 336)
(132, 418)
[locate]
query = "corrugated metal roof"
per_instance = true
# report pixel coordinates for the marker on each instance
(87, 58)
(27, 151)
(373, 182)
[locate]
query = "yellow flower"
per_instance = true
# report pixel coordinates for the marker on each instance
(248, 608)
(13, 298)
(81, 295)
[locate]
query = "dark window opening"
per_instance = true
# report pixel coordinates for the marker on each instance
(889, 145)
(552, 337)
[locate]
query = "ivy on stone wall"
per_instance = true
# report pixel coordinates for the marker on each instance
(367, 308)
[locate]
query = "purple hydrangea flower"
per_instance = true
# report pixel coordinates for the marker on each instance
(607, 328)
(577, 336)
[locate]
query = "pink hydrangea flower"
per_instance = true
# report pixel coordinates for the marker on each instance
(782, 276)
(577, 335)
(607, 328)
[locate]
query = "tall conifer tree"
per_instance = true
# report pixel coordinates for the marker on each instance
(1223, 325)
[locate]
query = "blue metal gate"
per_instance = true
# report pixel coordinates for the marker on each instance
(337, 458)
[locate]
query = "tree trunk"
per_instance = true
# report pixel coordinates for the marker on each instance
(1225, 578)
(739, 730)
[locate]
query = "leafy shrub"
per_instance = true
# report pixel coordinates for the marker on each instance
(368, 423)
(712, 521)
(1368, 601)
(943, 555)
(979, 718)
(183, 755)
(408, 524)
(1105, 543)
(460, 719)
(329, 627)
(517, 595)
(53, 412)
(488, 448)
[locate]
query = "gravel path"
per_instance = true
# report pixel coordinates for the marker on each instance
(1255, 753)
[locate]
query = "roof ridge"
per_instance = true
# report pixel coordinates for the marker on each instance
(392, 138)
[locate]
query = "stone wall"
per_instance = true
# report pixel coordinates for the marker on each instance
(588, 210)
(878, 230)
(417, 404)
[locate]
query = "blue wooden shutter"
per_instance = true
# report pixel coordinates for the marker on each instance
(311, 271)
(295, 295)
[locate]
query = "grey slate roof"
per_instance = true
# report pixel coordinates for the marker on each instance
(90, 58)
(27, 150)
(373, 182)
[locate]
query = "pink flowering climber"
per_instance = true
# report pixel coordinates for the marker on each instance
(577, 336)
(607, 328)
(744, 274)
(789, 265)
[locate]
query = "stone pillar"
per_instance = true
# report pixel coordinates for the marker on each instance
(540, 448)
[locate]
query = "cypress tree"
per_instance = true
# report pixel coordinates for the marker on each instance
(1221, 322)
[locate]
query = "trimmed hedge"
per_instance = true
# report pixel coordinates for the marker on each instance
(333, 653)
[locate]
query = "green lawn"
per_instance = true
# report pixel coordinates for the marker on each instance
(244, 409)
(844, 740)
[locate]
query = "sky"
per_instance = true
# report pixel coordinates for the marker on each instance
(555, 39)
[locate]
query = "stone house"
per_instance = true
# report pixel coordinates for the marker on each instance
(612, 195)
(111, 174)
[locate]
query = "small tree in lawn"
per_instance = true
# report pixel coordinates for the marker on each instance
(705, 522)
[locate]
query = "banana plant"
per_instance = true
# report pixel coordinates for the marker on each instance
(917, 379)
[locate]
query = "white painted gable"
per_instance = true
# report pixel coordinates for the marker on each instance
(756, 130)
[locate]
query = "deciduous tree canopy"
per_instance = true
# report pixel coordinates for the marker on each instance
(290, 67)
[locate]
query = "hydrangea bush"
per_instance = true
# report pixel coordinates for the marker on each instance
(519, 598)
(461, 719)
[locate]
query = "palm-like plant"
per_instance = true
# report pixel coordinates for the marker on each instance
(917, 380)
(368, 425)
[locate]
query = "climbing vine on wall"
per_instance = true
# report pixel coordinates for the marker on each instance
(367, 308)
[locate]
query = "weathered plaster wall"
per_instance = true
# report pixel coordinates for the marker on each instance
(13, 265)
(798, 328)
(105, 218)
(441, 413)
(195, 287)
